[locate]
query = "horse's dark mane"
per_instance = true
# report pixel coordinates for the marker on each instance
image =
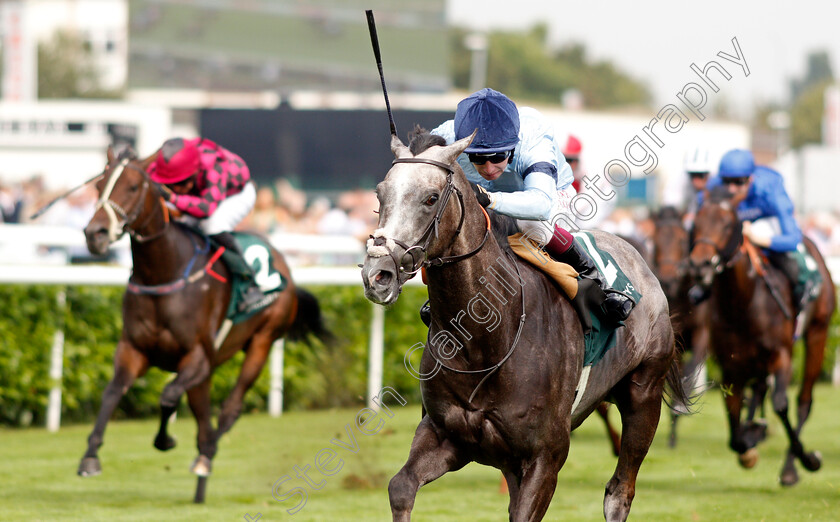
(502, 227)
(669, 213)
(719, 194)
(419, 139)
(127, 153)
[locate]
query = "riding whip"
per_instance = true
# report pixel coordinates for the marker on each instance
(46, 207)
(374, 41)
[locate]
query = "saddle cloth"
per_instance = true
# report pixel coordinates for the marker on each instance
(271, 282)
(601, 337)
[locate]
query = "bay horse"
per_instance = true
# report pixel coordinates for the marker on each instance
(173, 309)
(752, 337)
(500, 370)
(669, 261)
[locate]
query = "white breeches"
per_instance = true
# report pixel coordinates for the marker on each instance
(231, 211)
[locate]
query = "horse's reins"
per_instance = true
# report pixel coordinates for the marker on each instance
(426, 238)
(725, 256)
(736, 246)
(492, 369)
(432, 228)
(113, 209)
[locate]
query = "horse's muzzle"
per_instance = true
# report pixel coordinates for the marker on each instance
(382, 284)
(97, 238)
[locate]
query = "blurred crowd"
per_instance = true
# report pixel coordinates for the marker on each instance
(281, 208)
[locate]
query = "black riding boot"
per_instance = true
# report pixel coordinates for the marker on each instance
(617, 306)
(236, 262)
(426, 314)
(787, 263)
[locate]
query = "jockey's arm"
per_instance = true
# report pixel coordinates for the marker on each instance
(781, 206)
(205, 203)
(534, 202)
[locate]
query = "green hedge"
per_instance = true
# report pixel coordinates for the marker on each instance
(314, 377)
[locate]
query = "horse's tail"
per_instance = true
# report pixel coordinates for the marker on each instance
(309, 321)
(677, 397)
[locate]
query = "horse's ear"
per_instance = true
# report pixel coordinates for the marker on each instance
(148, 161)
(398, 148)
(453, 151)
(110, 154)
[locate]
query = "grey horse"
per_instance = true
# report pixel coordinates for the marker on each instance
(501, 375)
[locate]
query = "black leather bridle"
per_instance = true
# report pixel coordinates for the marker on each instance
(420, 260)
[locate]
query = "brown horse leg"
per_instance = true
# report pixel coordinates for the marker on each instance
(530, 500)
(192, 370)
(199, 400)
(639, 400)
(430, 457)
(255, 358)
(615, 438)
(511, 483)
(128, 365)
(811, 461)
(741, 440)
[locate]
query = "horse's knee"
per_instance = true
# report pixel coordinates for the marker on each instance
(401, 492)
(169, 398)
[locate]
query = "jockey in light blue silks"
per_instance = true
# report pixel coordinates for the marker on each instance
(767, 215)
(517, 170)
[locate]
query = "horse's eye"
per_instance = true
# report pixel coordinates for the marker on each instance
(431, 200)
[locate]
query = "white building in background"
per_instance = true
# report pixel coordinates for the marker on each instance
(64, 142)
(101, 24)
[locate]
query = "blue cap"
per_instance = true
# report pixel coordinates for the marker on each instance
(736, 163)
(494, 115)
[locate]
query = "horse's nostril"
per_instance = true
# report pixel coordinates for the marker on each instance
(383, 278)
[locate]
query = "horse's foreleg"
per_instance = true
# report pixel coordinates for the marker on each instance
(192, 370)
(199, 400)
(128, 365)
(253, 364)
(430, 457)
(530, 500)
(639, 400)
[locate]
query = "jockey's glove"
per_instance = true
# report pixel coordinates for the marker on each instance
(482, 195)
(165, 191)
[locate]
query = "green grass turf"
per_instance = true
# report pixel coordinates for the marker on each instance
(699, 480)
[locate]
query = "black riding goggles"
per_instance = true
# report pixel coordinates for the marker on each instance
(698, 175)
(494, 157)
(739, 181)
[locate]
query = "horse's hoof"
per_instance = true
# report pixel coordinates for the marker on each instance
(89, 467)
(789, 477)
(201, 466)
(165, 444)
(812, 461)
(749, 458)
